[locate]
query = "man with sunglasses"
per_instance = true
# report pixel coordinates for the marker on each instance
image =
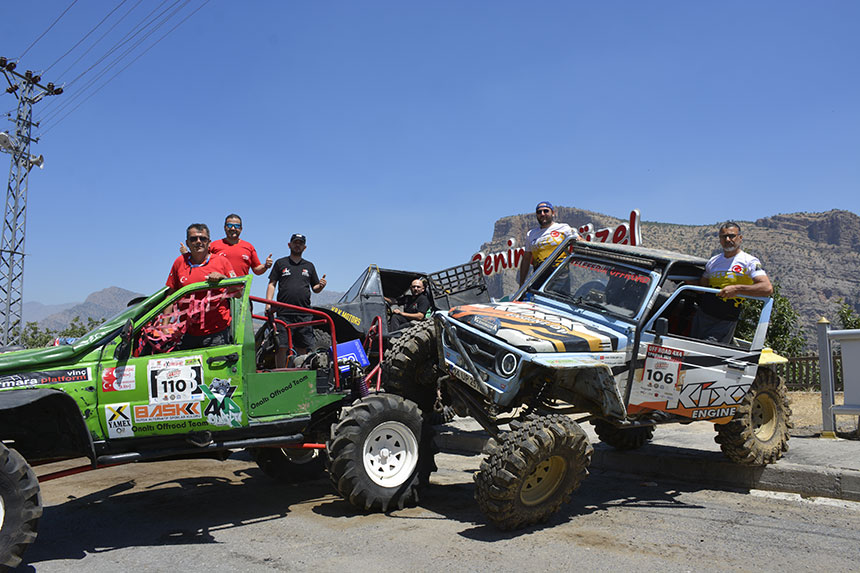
(542, 241)
(241, 254)
(211, 326)
(734, 272)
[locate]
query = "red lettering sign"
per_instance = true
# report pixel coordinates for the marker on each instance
(623, 234)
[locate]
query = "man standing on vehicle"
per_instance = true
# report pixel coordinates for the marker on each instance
(295, 278)
(543, 240)
(211, 325)
(734, 272)
(415, 306)
(241, 254)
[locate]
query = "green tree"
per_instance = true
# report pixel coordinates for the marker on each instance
(784, 335)
(37, 337)
(848, 317)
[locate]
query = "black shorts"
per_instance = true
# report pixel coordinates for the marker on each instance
(303, 336)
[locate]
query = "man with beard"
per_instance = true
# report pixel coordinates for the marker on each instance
(734, 272)
(542, 241)
(294, 277)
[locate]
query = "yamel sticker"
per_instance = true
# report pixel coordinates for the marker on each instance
(118, 420)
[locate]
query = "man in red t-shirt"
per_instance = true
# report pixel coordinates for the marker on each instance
(241, 254)
(208, 322)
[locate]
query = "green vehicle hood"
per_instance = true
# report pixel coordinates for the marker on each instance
(25, 360)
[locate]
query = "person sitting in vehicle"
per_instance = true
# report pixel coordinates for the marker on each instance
(414, 306)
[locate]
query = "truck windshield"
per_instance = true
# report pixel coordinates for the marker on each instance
(600, 285)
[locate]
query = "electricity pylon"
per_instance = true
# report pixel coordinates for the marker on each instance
(27, 89)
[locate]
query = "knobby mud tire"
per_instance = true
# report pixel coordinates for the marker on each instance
(374, 453)
(531, 471)
(322, 340)
(20, 507)
(758, 434)
(289, 465)
(410, 371)
(412, 358)
(623, 438)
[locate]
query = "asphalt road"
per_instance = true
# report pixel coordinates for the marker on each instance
(227, 516)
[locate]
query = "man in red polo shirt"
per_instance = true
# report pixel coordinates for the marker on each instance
(241, 254)
(208, 321)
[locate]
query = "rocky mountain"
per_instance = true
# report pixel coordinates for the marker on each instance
(99, 305)
(815, 257)
(33, 311)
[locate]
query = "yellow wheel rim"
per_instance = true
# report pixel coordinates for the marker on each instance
(544, 481)
(764, 417)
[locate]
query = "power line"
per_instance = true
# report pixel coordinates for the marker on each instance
(126, 66)
(87, 35)
(109, 30)
(48, 30)
(49, 108)
(142, 26)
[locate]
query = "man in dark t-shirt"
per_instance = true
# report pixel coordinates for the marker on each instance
(415, 306)
(295, 278)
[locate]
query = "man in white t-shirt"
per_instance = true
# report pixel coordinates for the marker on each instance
(734, 272)
(542, 241)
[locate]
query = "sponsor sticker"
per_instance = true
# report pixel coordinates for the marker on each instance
(163, 412)
(118, 378)
(175, 379)
(661, 378)
(118, 418)
(45, 377)
(222, 410)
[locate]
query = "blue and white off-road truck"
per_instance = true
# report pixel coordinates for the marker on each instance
(605, 332)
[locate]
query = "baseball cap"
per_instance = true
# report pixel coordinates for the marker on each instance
(545, 205)
(298, 237)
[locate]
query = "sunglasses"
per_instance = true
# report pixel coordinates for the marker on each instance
(233, 226)
(198, 239)
(729, 236)
(544, 211)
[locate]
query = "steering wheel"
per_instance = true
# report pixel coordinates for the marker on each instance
(584, 290)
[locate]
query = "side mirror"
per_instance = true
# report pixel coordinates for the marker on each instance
(123, 349)
(661, 326)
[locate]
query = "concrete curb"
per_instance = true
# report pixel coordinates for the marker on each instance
(696, 466)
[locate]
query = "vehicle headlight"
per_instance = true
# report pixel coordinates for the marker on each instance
(506, 363)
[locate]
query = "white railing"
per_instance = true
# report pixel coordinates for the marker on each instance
(850, 341)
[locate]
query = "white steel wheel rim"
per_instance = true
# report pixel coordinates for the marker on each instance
(390, 454)
(2, 512)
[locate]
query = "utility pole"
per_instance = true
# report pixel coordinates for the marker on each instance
(27, 89)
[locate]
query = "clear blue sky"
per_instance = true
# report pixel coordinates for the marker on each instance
(396, 133)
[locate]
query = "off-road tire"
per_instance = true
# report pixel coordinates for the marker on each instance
(623, 438)
(20, 507)
(758, 434)
(412, 358)
(374, 454)
(322, 340)
(531, 471)
(289, 465)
